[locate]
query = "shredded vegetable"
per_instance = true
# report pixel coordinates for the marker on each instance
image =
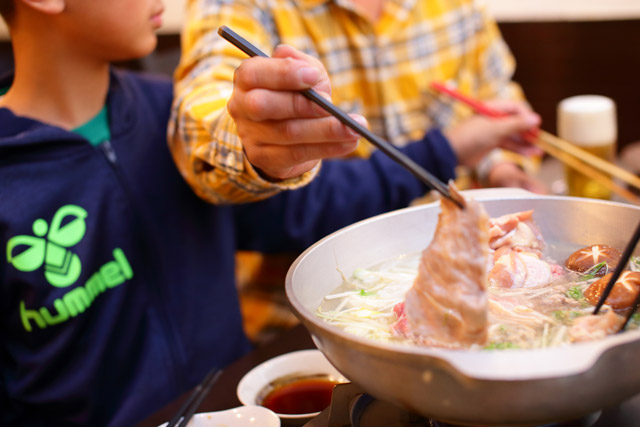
(518, 318)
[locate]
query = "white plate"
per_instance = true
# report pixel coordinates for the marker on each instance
(298, 363)
(242, 416)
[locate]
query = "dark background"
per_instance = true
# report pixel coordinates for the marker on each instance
(555, 60)
(561, 59)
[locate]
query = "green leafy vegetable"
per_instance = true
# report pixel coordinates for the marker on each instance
(500, 345)
(575, 292)
(593, 271)
(566, 316)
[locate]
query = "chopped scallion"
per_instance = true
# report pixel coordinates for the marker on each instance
(500, 345)
(593, 271)
(575, 292)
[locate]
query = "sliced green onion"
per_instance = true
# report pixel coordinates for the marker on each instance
(575, 292)
(500, 345)
(593, 271)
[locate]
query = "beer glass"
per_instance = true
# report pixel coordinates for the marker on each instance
(588, 121)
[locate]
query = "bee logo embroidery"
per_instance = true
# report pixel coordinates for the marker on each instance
(49, 246)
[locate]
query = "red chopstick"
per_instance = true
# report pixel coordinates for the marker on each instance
(478, 106)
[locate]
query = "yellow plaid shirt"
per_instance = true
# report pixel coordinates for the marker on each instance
(381, 70)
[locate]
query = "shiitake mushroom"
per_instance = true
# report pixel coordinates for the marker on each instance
(585, 259)
(622, 295)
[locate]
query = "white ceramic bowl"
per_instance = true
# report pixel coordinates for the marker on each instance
(242, 416)
(304, 363)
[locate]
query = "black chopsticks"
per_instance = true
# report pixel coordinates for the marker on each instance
(424, 176)
(189, 407)
(624, 260)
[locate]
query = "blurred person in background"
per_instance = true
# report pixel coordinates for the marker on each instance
(380, 56)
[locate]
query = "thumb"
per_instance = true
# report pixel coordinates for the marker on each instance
(512, 126)
(286, 51)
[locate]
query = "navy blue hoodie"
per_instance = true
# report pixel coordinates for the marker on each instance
(117, 288)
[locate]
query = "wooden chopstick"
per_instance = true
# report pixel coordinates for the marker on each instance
(398, 156)
(585, 169)
(588, 164)
(189, 407)
(590, 159)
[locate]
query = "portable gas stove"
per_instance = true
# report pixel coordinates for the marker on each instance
(351, 406)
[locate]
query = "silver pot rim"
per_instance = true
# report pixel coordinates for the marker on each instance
(499, 365)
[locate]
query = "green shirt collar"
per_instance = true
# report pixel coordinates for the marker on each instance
(96, 130)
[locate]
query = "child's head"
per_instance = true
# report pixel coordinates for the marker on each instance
(111, 30)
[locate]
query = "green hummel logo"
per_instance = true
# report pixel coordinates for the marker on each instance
(62, 267)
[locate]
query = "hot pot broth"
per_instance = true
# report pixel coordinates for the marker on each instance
(523, 318)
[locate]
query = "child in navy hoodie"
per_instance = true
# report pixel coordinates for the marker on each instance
(117, 289)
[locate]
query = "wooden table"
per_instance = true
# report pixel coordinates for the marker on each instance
(223, 393)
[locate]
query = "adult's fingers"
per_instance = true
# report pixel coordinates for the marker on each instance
(285, 149)
(510, 132)
(259, 105)
(510, 106)
(302, 131)
(285, 51)
(511, 126)
(524, 148)
(276, 74)
(282, 162)
(517, 109)
(509, 175)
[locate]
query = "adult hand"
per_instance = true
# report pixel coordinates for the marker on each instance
(283, 133)
(507, 174)
(473, 138)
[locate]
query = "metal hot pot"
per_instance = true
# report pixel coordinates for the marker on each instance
(513, 387)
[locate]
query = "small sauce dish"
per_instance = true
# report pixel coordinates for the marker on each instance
(297, 386)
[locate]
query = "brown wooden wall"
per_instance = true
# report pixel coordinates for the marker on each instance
(561, 59)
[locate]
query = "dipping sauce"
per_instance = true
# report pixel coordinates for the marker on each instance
(301, 396)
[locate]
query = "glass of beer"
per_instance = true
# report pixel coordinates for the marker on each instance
(588, 121)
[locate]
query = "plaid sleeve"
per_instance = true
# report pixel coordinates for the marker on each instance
(495, 64)
(202, 136)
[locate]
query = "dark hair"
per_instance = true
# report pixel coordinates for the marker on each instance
(6, 9)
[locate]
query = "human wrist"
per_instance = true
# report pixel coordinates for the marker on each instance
(499, 165)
